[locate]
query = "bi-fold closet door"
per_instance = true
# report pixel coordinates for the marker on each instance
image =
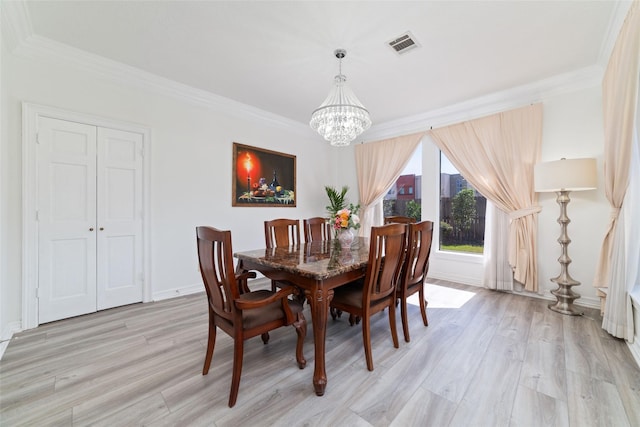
(90, 220)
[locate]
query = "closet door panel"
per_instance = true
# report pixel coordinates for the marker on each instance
(119, 217)
(66, 219)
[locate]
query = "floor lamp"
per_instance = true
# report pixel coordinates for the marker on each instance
(563, 176)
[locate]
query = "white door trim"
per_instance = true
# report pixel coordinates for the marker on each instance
(31, 114)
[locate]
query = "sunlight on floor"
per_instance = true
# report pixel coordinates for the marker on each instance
(442, 297)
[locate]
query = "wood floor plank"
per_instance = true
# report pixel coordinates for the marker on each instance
(410, 368)
(144, 411)
(516, 321)
(425, 408)
(534, 409)
(108, 390)
(28, 388)
(450, 377)
(546, 325)
(494, 359)
(584, 351)
(491, 392)
(626, 376)
(544, 369)
(594, 402)
(119, 396)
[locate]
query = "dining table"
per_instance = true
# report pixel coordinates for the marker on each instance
(317, 268)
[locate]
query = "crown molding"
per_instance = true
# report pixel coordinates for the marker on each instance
(38, 48)
(22, 42)
(490, 104)
(16, 23)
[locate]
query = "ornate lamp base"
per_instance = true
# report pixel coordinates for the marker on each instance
(565, 297)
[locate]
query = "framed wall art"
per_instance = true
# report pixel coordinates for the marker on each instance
(263, 177)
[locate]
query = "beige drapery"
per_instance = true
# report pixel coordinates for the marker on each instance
(619, 99)
(496, 154)
(619, 93)
(378, 165)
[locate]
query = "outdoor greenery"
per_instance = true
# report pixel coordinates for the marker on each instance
(462, 248)
(463, 209)
(389, 207)
(414, 210)
(445, 230)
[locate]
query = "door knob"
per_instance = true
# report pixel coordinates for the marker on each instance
(101, 228)
(91, 229)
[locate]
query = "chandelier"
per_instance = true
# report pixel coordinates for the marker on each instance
(341, 117)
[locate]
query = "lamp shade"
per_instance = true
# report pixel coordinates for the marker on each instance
(565, 175)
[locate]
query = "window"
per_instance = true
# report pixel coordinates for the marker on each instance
(462, 212)
(404, 197)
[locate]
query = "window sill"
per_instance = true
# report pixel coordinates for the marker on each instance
(459, 256)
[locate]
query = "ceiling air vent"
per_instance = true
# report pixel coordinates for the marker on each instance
(403, 43)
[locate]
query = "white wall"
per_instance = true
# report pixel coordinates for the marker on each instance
(191, 161)
(9, 222)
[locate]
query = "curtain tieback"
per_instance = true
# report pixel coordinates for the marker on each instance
(524, 212)
(615, 213)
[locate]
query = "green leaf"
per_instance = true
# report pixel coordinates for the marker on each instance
(337, 200)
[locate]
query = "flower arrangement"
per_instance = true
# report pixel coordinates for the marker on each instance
(337, 199)
(347, 218)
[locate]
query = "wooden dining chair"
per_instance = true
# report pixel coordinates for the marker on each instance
(414, 270)
(399, 219)
(237, 310)
(378, 289)
(316, 228)
(281, 232)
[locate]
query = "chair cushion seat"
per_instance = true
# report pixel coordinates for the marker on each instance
(411, 289)
(268, 313)
(350, 294)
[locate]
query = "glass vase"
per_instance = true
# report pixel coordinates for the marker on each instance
(346, 237)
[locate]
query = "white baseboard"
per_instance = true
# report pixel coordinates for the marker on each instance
(456, 278)
(178, 292)
(590, 302)
(7, 334)
(635, 346)
(261, 281)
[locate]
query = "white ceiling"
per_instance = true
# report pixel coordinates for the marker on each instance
(278, 55)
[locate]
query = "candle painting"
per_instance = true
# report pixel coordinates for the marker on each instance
(263, 177)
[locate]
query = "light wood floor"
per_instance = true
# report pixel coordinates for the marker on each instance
(499, 360)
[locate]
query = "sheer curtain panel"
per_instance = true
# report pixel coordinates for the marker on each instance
(498, 274)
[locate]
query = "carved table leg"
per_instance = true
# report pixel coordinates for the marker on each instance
(320, 300)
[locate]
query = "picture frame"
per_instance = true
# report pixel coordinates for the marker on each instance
(262, 178)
